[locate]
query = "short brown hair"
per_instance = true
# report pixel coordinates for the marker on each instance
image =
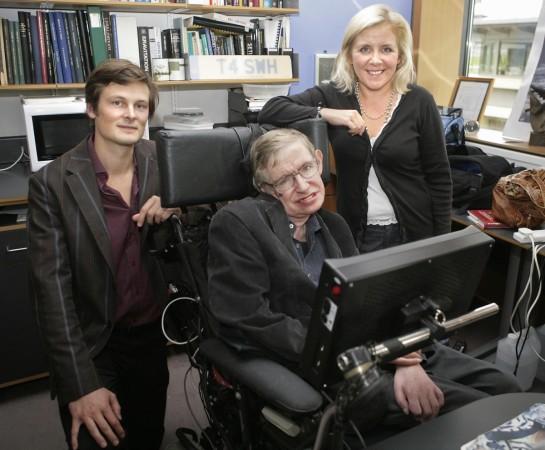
(118, 71)
(265, 148)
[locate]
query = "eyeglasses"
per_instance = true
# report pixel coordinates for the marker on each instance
(284, 184)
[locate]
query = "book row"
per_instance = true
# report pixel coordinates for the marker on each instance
(46, 47)
(249, 3)
(54, 47)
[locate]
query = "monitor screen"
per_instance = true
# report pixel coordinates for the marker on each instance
(56, 134)
(359, 299)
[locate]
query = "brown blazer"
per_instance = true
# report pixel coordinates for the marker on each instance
(72, 271)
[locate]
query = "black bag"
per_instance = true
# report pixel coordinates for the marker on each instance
(474, 175)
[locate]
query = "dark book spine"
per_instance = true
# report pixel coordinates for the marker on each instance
(83, 33)
(42, 43)
(249, 43)
(55, 51)
(176, 42)
(62, 44)
(77, 59)
(30, 48)
(70, 51)
(3, 67)
(166, 44)
(36, 54)
(214, 41)
(25, 47)
(18, 53)
(209, 42)
(50, 58)
(106, 25)
(238, 44)
(144, 49)
(115, 37)
(8, 51)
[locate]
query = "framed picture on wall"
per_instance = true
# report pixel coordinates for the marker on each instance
(471, 94)
(323, 67)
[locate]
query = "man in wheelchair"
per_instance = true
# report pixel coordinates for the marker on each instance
(265, 257)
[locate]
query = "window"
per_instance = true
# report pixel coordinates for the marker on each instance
(500, 38)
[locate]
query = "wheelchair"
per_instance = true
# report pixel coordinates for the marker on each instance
(251, 402)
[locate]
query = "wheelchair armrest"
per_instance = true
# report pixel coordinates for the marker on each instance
(268, 379)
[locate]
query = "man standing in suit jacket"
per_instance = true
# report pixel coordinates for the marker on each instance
(99, 292)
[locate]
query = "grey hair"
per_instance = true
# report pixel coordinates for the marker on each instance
(344, 77)
(266, 147)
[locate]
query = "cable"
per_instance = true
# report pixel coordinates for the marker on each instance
(12, 165)
(328, 414)
(190, 409)
(523, 317)
(192, 339)
(358, 434)
(519, 347)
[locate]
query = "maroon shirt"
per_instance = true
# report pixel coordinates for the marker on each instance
(135, 302)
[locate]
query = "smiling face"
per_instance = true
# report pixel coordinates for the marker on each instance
(375, 57)
(121, 114)
(306, 196)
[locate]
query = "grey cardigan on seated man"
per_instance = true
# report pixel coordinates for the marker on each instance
(258, 293)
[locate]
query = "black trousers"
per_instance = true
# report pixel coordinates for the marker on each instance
(378, 237)
(133, 365)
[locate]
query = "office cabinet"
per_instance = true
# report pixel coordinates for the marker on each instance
(22, 356)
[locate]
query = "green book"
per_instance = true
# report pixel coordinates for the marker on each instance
(98, 42)
(18, 76)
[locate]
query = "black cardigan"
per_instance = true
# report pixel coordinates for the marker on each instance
(409, 157)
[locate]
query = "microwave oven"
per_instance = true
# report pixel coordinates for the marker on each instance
(53, 126)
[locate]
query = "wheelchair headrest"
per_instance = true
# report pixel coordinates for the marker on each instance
(209, 166)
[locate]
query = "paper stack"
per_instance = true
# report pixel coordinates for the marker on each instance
(258, 94)
(187, 119)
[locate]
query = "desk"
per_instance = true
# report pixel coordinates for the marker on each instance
(14, 186)
(452, 430)
(517, 275)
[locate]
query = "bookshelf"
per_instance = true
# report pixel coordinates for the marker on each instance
(181, 8)
(196, 84)
(291, 7)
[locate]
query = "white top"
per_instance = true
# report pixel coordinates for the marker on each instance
(379, 210)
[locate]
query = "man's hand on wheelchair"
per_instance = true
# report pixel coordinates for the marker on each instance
(100, 412)
(416, 393)
(152, 212)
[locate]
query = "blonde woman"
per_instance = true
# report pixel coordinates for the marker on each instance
(393, 181)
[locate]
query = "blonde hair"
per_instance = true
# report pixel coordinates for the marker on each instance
(344, 77)
(266, 147)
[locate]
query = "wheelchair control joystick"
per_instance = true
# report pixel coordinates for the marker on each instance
(363, 380)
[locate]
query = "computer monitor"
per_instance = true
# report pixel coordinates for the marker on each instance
(359, 299)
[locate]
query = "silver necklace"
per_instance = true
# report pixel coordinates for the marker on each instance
(385, 114)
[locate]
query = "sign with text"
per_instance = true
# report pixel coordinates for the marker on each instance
(232, 67)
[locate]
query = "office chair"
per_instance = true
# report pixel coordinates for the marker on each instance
(251, 402)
